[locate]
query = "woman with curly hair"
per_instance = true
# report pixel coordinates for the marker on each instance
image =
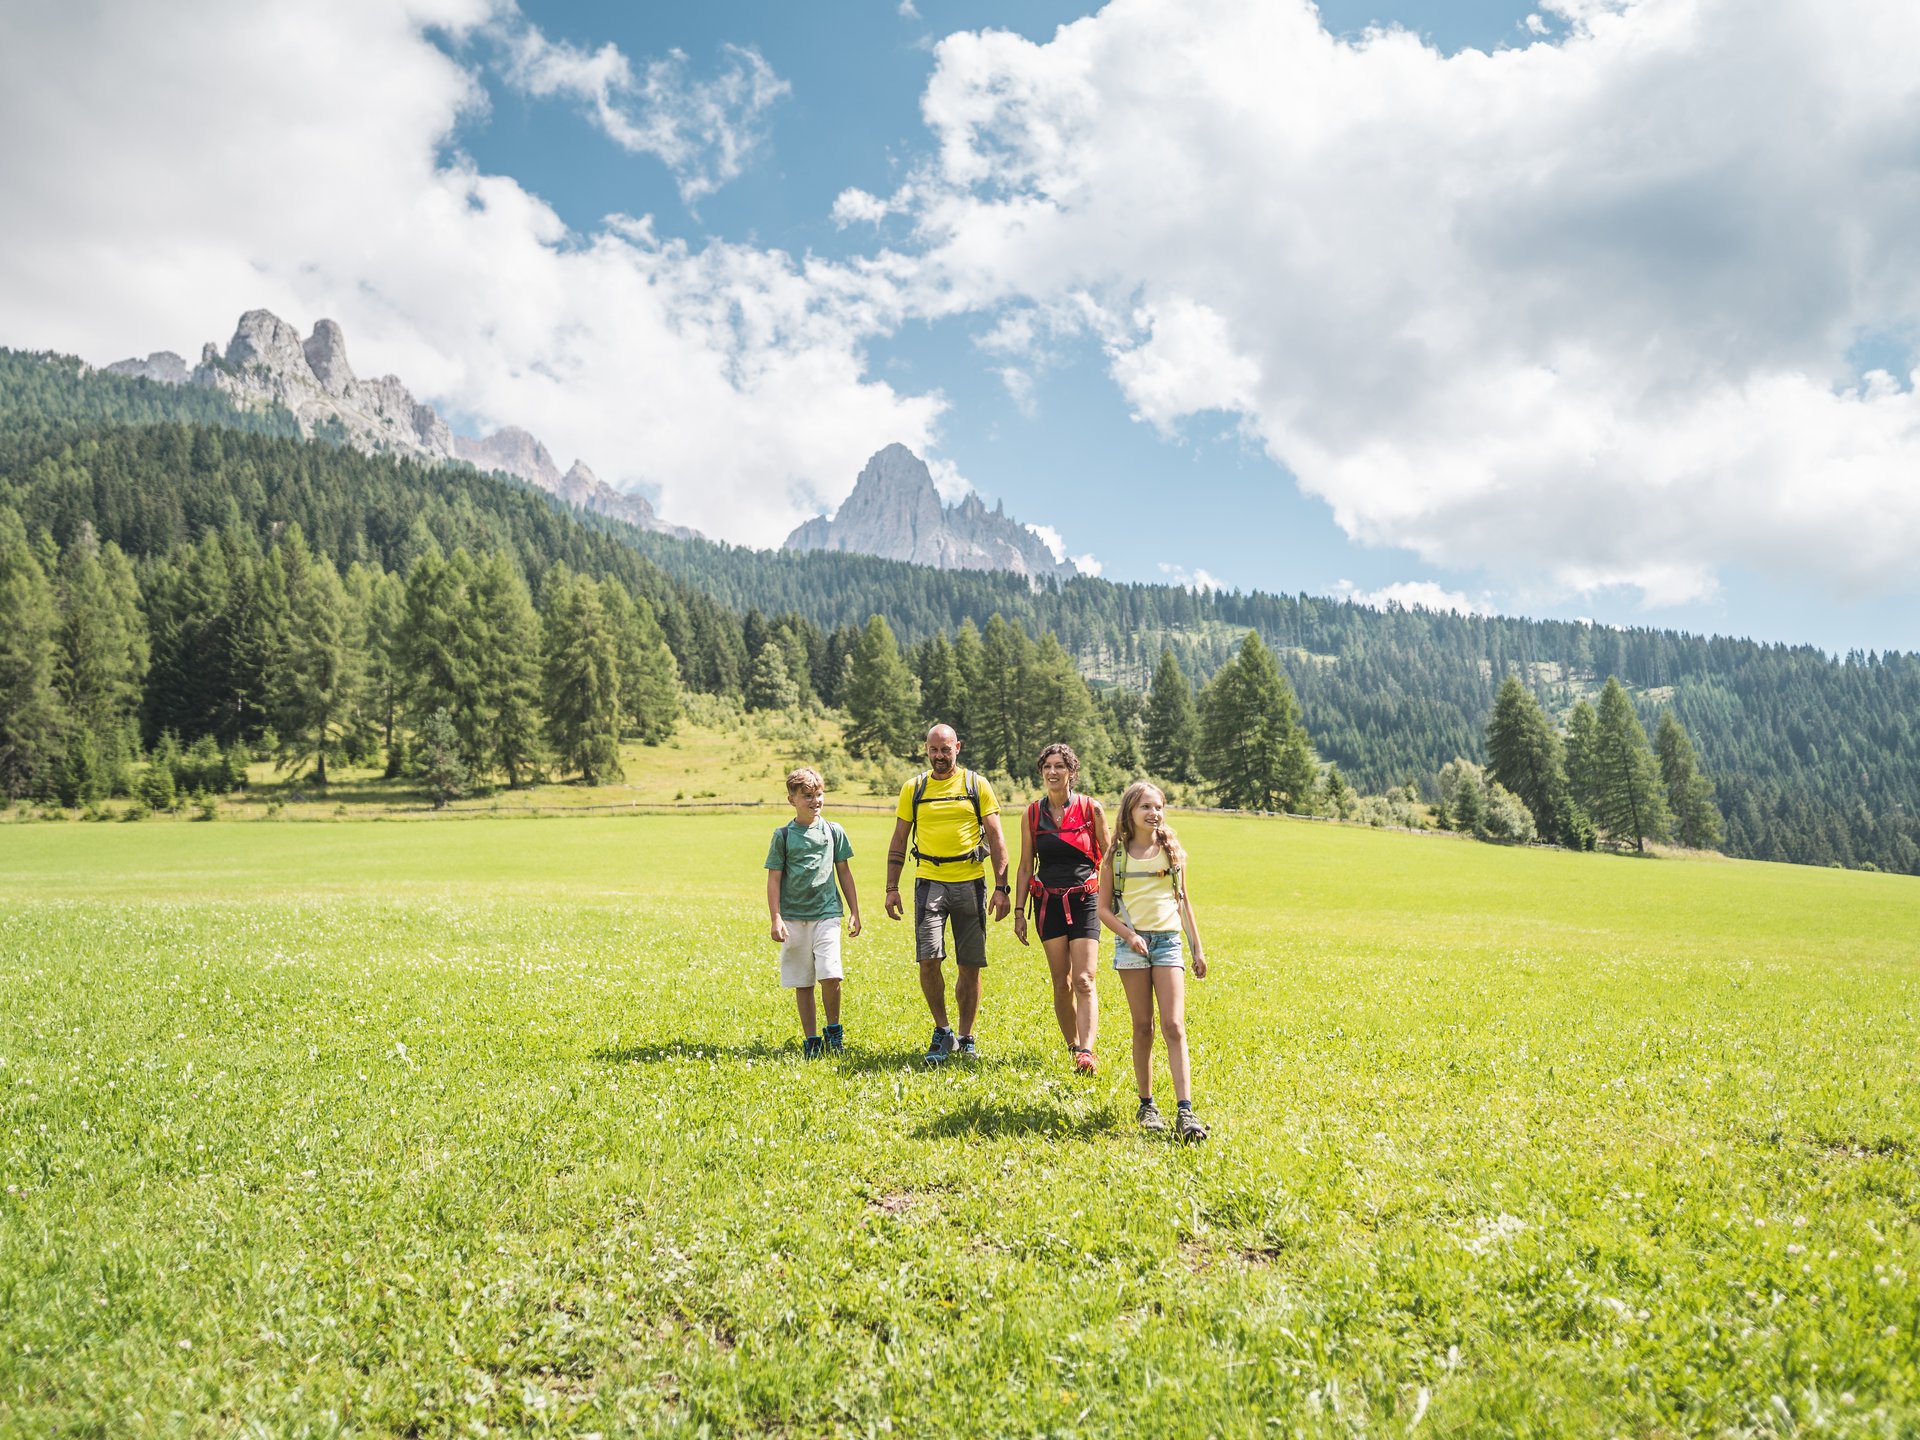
(1062, 838)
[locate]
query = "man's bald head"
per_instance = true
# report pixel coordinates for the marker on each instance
(943, 748)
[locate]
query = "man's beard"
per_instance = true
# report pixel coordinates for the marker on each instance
(940, 767)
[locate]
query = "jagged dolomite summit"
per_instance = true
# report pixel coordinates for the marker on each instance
(266, 362)
(895, 512)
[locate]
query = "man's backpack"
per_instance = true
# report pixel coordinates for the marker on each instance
(920, 783)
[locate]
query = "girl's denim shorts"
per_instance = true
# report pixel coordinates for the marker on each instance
(1166, 949)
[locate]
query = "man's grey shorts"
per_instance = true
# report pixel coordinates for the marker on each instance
(961, 902)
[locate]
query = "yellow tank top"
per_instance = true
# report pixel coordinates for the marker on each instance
(1147, 901)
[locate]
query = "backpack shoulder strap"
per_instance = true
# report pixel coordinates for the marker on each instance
(973, 794)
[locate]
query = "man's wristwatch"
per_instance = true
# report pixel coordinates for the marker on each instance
(1003, 889)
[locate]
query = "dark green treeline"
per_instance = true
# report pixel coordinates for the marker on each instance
(1815, 760)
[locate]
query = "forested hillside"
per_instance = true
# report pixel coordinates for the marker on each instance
(1816, 760)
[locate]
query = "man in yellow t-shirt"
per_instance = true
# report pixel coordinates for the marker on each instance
(952, 831)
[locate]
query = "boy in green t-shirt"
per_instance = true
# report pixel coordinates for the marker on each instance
(805, 858)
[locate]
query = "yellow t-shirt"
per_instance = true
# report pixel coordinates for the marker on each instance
(1147, 898)
(946, 824)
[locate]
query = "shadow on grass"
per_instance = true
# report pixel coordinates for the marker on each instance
(693, 1050)
(1033, 1118)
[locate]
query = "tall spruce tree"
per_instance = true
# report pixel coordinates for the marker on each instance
(31, 714)
(1001, 715)
(102, 658)
(509, 672)
(769, 686)
(1630, 803)
(1524, 754)
(1172, 721)
(1696, 819)
(649, 681)
(1247, 718)
(882, 697)
(1583, 756)
(1058, 707)
(315, 677)
(582, 672)
(943, 689)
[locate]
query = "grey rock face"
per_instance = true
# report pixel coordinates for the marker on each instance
(895, 512)
(266, 362)
(163, 366)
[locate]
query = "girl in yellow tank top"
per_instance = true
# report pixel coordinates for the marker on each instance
(1143, 900)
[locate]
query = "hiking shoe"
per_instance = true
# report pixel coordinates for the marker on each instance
(940, 1047)
(1083, 1062)
(968, 1050)
(1150, 1117)
(835, 1038)
(813, 1048)
(1187, 1126)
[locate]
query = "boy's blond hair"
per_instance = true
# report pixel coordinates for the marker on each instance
(805, 778)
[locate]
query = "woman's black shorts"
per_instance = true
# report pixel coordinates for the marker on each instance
(1054, 909)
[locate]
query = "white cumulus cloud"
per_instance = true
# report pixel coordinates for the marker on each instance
(1196, 579)
(1577, 312)
(704, 129)
(171, 185)
(1414, 595)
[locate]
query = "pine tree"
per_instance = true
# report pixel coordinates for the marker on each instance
(1247, 717)
(769, 686)
(1057, 706)
(649, 678)
(882, 697)
(943, 688)
(438, 763)
(509, 672)
(1629, 800)
(1172, 721)
(31, 715)
(1696, 819)
(1583, 751)
(1525, 755)
(314, 680)
(582, 673)
(1001, 706)
(1298, 771)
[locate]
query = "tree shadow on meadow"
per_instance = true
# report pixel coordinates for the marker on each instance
(994, 1120)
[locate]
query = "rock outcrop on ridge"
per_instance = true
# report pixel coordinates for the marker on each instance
(266, 362)
(895, 512)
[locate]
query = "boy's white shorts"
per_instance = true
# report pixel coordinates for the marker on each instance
(810, 953)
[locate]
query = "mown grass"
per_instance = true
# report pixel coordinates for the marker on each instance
(418, 1129)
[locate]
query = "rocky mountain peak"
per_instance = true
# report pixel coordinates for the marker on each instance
(895, 512)
(326, 352)
(267, 363)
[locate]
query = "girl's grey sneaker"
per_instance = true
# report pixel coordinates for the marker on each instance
(1150, 1117)
(940, 1047)
(835, 1038)
(812, 1049)
(1187, 1126)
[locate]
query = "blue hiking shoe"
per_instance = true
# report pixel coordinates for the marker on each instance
(835, 1037)
(968, 1050)
(813, 1048)
(940, 1047)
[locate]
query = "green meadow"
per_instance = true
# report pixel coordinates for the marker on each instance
(499, 1125)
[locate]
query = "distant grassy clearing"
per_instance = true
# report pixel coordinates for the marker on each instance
(378, 1128)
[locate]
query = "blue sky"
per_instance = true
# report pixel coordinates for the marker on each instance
(1575, 326)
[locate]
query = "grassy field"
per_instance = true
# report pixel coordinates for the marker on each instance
(501, 1125)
